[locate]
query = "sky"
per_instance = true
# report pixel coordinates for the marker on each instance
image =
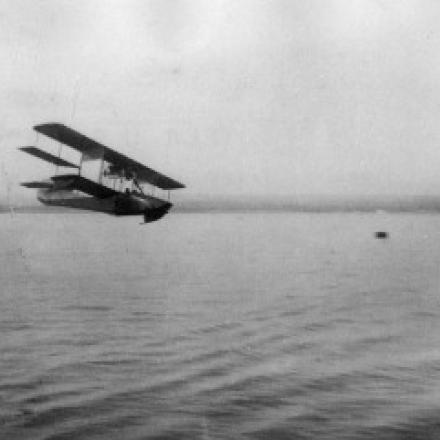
(230, 97)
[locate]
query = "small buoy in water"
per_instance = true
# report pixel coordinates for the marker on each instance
(381, 234)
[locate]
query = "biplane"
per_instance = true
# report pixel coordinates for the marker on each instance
(118, 189)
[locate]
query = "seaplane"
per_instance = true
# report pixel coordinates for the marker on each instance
(118, 189)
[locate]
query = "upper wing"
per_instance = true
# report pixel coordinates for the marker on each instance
(34, 151)
(94, 150)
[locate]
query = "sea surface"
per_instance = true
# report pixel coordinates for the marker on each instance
(220, 326)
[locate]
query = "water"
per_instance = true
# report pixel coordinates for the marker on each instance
(220, 326)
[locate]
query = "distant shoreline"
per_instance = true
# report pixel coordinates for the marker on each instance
(414, 204)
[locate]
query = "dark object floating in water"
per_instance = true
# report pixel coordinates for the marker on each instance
(381, 234)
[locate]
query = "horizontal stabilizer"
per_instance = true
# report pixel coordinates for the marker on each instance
(34, 151)
(80, 183)
(37, 184)
(94, 150)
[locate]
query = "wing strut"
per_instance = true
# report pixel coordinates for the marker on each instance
(60, 147)
(80, 164)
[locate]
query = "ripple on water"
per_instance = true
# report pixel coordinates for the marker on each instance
(266, 327)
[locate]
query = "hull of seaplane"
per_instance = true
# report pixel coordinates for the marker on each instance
(134, 203)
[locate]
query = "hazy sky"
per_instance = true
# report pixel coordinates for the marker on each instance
(233, 96)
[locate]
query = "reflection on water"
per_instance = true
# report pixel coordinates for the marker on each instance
(206, 326)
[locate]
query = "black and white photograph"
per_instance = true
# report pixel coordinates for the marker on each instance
(219, 219)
